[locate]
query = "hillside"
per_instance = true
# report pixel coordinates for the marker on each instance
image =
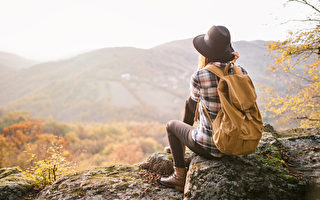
(9, 61)
(122, 83)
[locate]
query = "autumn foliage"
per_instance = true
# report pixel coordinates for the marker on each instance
(297, 64)
(30, 142)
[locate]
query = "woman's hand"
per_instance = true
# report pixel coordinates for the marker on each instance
(236, 56)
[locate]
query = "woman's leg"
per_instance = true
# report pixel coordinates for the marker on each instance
(179, 135)
(176, 131)
(188, 115)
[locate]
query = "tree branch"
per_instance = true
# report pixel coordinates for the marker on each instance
(301, 20)
(310, 119)
(306, 3)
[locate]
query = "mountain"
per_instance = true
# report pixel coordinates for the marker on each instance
(121, 83)
(10, 61)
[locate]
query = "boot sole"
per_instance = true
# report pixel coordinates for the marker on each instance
(177, 187)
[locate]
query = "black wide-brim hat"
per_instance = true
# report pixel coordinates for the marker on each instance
(215, 45)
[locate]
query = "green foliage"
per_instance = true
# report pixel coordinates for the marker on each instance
(45, 172)
(54, 127)
(272, 158)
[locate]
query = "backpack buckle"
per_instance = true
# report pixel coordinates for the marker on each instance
(247, 113)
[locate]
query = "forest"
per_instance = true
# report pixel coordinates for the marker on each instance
(25, 141)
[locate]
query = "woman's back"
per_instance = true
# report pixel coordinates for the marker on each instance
(203, 86)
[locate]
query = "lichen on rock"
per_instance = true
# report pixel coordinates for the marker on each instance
(113, 182)
(162, 162)
(13, 185)
(262, 175)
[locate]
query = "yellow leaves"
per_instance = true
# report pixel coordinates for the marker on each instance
(273, 46)
(46, 171)
(289, 50)
(299, 103)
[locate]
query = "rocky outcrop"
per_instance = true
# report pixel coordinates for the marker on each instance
(262, 175)
(12, 184)
(281, 168)
(113, 182)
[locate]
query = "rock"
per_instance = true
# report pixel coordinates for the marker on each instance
(303, 156)
(161, 162)
(13, 185)
(268, 128)
(262, 175)
(114, 182)
(281, 168)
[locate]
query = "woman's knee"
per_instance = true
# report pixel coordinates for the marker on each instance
(171, 125)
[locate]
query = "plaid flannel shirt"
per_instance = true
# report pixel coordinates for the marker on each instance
(203, 85)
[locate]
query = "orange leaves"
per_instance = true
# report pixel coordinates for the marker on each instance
(126, 153)
(89, 144)
(26, 127)
(25, 143)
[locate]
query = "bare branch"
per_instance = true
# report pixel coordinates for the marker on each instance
(306, 3)
(301, 20)
(310, 119)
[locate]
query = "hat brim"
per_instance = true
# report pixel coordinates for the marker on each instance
(211, 53)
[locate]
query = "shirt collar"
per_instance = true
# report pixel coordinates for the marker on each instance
(219, 64)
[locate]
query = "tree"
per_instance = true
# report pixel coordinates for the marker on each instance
(297, 64)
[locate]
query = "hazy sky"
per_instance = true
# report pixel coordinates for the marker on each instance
(52, 29)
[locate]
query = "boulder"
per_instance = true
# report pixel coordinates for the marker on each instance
(280, 169)
(162, 162)
(113, 182)
(13, 185)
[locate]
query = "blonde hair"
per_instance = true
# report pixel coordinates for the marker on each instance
(203, 61)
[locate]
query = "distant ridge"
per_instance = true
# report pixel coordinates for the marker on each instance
(13, 62)
(119, 83)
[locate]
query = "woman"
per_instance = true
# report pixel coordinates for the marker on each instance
(215, 46)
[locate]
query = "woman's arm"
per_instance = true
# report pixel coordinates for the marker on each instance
(189, 111)
(194, 98)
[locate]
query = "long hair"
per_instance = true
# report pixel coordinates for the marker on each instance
(203, 61)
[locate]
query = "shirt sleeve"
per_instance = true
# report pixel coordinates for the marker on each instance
(195, 87)
(243, 70)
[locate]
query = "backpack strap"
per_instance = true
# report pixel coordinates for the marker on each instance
(218, 72)
(214, 69)
(205, 110)
(196, 114)
(237, 70)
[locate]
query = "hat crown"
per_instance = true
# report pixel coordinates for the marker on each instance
(215, 45)
(217, 36)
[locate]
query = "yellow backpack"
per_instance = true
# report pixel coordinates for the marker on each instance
(237, 128)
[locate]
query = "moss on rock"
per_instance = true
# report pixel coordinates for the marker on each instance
(13, 185)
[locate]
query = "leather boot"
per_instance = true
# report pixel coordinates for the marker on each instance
(176, 180)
